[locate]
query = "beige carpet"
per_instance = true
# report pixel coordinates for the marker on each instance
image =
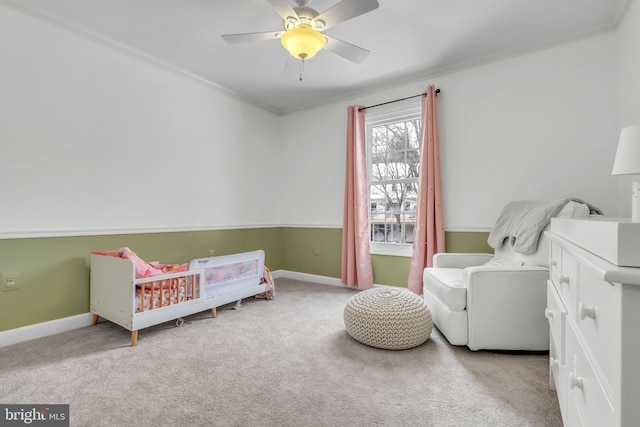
(286, 362)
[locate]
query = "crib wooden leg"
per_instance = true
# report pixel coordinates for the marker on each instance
(95, 319)
(213, 312)
(134, 338)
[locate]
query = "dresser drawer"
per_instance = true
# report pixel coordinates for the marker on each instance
(598, 317)
(556, 315)
(555, 260)
(567, 283)
(587, 402)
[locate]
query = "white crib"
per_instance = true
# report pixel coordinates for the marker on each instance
(118, 296)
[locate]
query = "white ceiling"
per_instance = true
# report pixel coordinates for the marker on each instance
(408, 39)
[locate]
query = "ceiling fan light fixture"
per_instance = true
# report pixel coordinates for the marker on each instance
(303, 42)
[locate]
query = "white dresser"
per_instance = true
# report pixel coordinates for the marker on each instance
(593, 308)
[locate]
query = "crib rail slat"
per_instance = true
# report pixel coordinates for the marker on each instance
(152, 294)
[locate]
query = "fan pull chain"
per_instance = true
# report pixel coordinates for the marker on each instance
(301, 68)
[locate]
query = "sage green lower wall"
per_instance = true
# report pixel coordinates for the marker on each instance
(54, 272)
(318, 251)
(312, 250)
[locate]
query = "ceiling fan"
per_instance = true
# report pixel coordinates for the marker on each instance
(303, 30)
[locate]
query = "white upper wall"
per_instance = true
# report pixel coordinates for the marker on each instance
(628, 43)
(97, 138)
(538, 126)
(629, 67)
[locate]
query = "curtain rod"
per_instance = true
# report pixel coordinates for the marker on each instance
(396, 100)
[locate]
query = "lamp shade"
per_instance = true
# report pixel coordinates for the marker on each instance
(627, 160)
(303, 42)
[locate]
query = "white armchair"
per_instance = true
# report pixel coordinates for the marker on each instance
(494, 302)
(487, 307)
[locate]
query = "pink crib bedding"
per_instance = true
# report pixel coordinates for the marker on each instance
(144, 268)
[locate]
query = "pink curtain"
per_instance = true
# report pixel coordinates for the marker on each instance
(357, 270)
(428, 234)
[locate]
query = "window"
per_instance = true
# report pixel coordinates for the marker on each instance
(393, 142)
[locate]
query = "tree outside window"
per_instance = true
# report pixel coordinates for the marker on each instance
(394, 159)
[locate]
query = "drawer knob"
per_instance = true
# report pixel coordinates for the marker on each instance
(585, 311)
(553, 362)
(548, 313)
(564, 279)
(575, 381)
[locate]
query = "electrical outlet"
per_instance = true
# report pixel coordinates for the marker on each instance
(10, 282)
(212, 252)
(316, 252)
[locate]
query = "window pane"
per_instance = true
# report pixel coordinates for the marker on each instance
(408, 232)
(395, 198)
(392, 228)
(395, 234)
(394, 169)
(379, 167)
(377, 198)
(392, 212)
(395, 150)
(413, 132)
(413, 163)
(411, 197)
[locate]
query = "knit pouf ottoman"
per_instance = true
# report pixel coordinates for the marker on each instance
(393, 319)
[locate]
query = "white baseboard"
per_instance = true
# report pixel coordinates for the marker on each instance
(306, 277)
(44, 329)
(314, 278)
(52, 327)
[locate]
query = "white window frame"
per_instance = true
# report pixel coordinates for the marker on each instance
(372, 120)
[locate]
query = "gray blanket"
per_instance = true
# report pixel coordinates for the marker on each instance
(525, 220)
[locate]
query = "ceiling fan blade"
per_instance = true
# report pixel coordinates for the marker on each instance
(345, 10)
(284, 8)
(251, 37)
(347, 50)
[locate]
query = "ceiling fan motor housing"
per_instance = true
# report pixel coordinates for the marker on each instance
(306, 15)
